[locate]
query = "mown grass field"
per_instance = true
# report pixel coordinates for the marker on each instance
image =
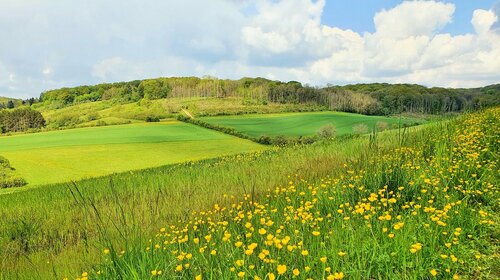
(306, 124)
(61, 156)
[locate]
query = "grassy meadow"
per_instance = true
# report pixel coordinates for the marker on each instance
(67, 155)
(426, 208)
(412, 203)
(306, 124)
(108, 112)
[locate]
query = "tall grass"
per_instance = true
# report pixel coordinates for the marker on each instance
(424, 208)
(45, 229)
(56, 231)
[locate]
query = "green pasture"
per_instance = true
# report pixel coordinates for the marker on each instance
(111, 113)
(305, 124)
(61, 156)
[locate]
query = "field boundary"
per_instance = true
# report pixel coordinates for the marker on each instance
(187, 113)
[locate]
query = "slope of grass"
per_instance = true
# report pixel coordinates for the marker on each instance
(48, 243)
(109, 113)
(60, 156)
(67, 234)
(421, 210)
(304, 124)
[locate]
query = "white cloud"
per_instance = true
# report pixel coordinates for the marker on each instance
(413, 18)
(53, 43)
(47, 71)
(482, 20)
(407, 47)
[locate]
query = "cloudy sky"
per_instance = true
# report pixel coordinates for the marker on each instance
(48, 44)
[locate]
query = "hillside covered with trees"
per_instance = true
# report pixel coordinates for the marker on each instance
(374, 99)
(154, 99)
(9, 103)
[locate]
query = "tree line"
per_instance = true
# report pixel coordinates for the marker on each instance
(372, 99)
(20, 119)
(384, 99)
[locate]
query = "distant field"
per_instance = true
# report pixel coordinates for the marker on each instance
(303, 124)
(60, 156)
(109, 113)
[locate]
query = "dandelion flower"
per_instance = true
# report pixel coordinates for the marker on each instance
(281, 269)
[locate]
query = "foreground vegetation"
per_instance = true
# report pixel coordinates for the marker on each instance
(448, 204)
(75, 154)
(423, 209)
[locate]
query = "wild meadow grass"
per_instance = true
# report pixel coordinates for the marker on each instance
(425, 208)
(410, 204)
(47, 232)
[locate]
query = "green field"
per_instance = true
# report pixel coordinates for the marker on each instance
(304, 124)
(110, 113)
(61, 156)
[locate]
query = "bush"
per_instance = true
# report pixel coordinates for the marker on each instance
(281, 141)
(327, 132)
(7, 178)
(12, 183)
(381, 126)
(65, 120)
(266, 140)
(22, 119)
(360, 128)
(152, 119)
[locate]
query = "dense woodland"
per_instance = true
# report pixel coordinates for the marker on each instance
(20, 119)
(373, 99)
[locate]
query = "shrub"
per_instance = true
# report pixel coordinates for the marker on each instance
(152, 119)
(360, 128)
(22, 119)
(264, 139)
(327, 131)
(7, 178)
(381, 126)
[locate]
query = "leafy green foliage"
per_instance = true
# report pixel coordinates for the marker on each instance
(398, 98)
(8, 179)
(21, 119)
(370, 99)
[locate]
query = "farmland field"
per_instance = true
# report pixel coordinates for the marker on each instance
(60, 156)
(303, 124)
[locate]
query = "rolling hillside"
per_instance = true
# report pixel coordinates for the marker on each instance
(68, 155)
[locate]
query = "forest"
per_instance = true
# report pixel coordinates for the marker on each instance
(372, 99)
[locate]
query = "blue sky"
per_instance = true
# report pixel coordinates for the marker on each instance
(51, 44)
(358, 14)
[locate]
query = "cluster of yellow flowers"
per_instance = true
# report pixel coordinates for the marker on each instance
(404, 210)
